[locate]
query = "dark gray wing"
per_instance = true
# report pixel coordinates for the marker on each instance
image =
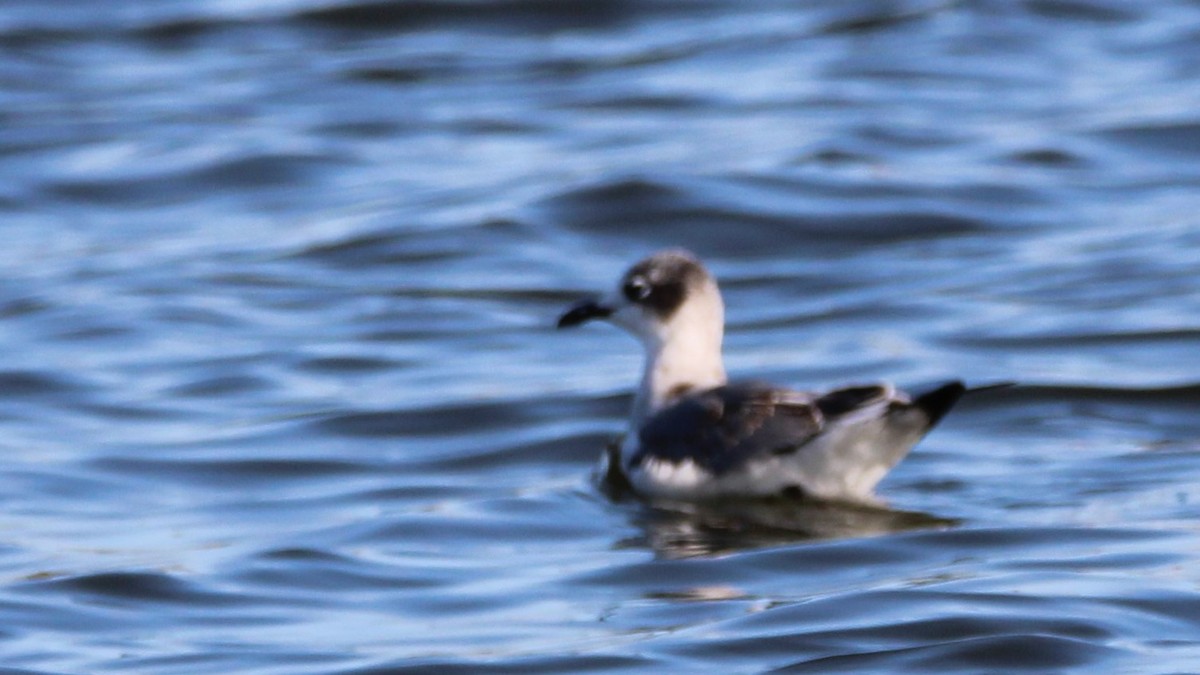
(843, 401)
(722, 428)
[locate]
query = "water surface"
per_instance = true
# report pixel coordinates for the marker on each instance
(281, 393)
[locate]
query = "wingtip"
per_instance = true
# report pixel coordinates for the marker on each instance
(936, 403)
(994, 386)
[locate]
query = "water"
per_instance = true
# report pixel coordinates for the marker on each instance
(280, 392)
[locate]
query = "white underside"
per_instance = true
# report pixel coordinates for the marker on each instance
(844, 463)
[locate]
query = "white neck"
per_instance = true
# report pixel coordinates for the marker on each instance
(681, 357)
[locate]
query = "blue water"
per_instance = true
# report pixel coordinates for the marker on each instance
(280, 391)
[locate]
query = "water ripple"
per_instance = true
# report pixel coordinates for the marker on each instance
(282, 392)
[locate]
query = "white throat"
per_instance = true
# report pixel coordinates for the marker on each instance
(682, 355)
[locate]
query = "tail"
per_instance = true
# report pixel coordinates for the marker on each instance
(935, 404)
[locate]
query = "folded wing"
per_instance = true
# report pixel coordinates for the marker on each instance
(752, 435)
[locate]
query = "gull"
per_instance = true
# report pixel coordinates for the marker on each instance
(695, 436)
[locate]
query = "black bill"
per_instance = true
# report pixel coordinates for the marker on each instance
(583, 312)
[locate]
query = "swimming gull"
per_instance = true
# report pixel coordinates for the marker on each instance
(694, 436)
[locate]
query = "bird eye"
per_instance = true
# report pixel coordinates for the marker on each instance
(636, 289)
